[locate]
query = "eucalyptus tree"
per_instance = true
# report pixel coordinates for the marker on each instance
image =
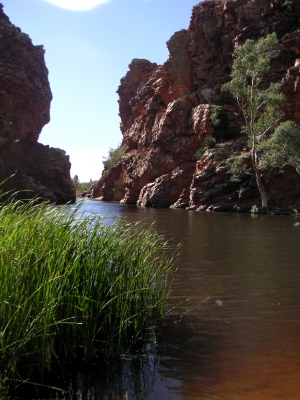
(258, 102)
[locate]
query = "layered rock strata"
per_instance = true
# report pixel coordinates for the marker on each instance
(166, 112)
(25, 97)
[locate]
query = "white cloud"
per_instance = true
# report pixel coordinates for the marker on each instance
(87, 164)
(77, 5)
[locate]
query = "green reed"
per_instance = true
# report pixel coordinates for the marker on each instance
(75, 287)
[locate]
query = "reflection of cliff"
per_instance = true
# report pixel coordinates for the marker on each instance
(166, 111)
(25, 98)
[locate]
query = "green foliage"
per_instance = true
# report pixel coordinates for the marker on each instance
(199, 153)
(82, 186)
(258, 103)
(215, 116)
(283, 147)
(74, 287)
(219, 119)
(113, 158)
(236, 168)
(288, 5)
(76, 181)
(218, 99)
(208, 143)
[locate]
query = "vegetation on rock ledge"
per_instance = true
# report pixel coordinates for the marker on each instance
(113, 158)
(260, 105)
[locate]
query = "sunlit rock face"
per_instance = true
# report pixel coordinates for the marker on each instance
(166, 111)
(25, 98)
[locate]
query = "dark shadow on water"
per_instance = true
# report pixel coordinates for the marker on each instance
(151, 376)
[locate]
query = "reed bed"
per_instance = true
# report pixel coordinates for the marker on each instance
(74, 287)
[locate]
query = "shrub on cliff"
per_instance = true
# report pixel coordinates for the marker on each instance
(260, 106)
(219, 120)
(282, 148)
(208, 143)
(113, 158)
(288, 5)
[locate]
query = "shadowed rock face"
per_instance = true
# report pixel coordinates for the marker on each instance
(25, 98)
(166, 112)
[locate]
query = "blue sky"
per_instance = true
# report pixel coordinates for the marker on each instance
(89, 45)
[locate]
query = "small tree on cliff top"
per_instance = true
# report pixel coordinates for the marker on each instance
(113, 158)
(259, 104)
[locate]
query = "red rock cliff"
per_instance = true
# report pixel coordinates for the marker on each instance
(165, 112)
(25, 98)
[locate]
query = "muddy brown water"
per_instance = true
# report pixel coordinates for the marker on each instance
(234, 331)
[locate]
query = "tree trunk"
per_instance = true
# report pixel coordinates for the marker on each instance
(260, 184)
(262, 189)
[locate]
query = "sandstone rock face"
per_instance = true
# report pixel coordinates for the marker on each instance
(25, 98)
(166, 111)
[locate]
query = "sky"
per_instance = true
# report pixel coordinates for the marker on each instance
(89, 45)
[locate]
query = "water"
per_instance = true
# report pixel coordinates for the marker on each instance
(233, 328)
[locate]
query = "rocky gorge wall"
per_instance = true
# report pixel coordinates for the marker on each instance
(166, 111)
(25, 98)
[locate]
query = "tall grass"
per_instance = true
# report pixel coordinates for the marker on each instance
(74, 287)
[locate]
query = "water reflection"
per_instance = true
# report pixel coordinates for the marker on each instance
(234, 329)
(120, 379)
